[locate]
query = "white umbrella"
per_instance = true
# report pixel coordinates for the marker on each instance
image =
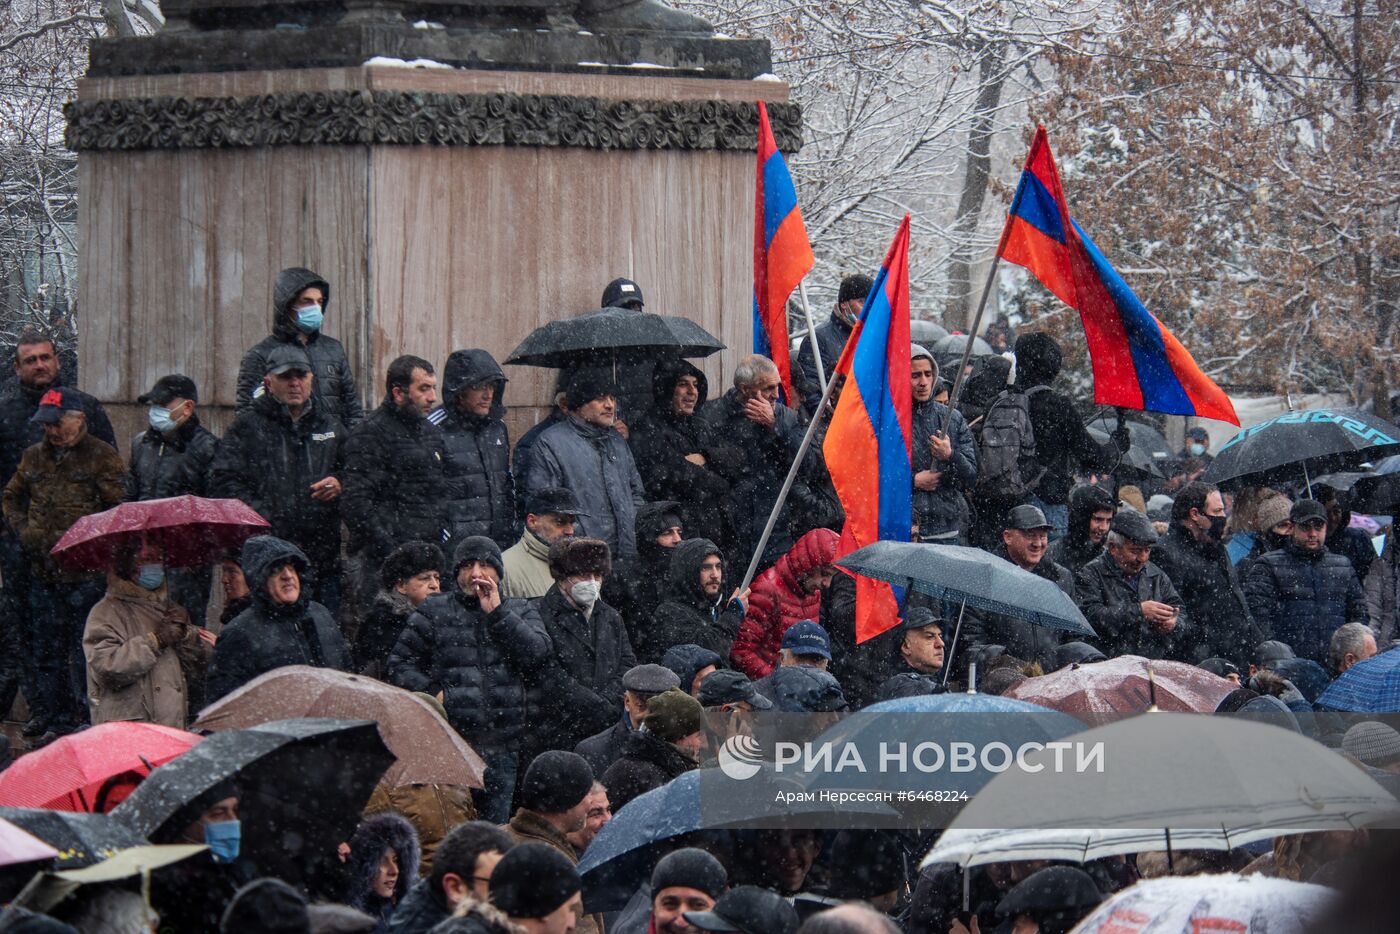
(980, 847)
(1186, 771)
(1213, 903)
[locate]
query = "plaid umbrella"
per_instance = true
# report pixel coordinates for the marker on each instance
(1372, 686)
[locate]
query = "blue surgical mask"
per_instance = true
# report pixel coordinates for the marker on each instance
(1197, 450)
(309, 318)
(150, 576)
(160, 419)
(223, 838)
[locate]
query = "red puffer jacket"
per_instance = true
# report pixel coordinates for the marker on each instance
(777, 602)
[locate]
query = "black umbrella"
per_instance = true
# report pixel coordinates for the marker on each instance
(1367, 493)
(80, 838)
(613, 335)
(1141, 434)
(1302, 445)
(301, 786)
(1136, 458)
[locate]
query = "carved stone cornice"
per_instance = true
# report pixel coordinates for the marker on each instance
(363, 118)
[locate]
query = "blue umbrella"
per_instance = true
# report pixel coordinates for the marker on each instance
(1372, 686)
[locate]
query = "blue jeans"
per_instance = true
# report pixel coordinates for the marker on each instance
(493, 803)
(1057, 516)
(57, 615)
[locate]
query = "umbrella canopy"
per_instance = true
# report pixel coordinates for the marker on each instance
(926, 333)
(428, 749)
(81, 839)
(193, 531)
(67, 774)
(18, 845)
(48, 889)
(954, 344)
(1370, 686)
(1209, 903)
(1173, 770)
(1137, 457)
(972, 576)
(301, 786)
(1120, 686)
(1315, 441)
(1141, 434)
(980, 847)
(610, 335)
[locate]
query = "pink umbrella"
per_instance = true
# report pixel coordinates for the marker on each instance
(1122, 686)
(20, 846)
(193, 531)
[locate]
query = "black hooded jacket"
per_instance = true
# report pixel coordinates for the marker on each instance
(637, 585)
(376, 834)
(1076, 550)
(480, 488)
(687, 616)
(943, 509)
(1212, 595)
(1062, 443)
(271, 635)
(660, 444)
(479, 661)
(269, 462)
(395, 482)
(171, 465)
(334, 382)
(831, 336)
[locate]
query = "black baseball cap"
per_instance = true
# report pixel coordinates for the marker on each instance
(169, 388)
(1308, 512)
(1266, 653)
(731, 687)
(1026, 517)
(553, 500)
(622, 292)
(56, 401)
(285, 358)
(750, 910)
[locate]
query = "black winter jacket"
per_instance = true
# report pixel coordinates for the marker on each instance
(1022, 639)
(333, 385)
(646, 763)
(603, 749)
(480, 661)
(831, 336)
(378, 634)
(420, 911)
(1111, 603)
(1303, 597)
(687, 616)
(271, 635)
(944, 509)
(861, 668)
(480, 488)
(637, 585)
(171, 465)
(270, 462)
(395, 482)
(660, 444)
(17, 432)
(1212, 595)
(582, 682)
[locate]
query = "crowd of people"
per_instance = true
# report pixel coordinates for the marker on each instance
(570, 603)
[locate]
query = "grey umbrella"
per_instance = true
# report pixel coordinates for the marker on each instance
(927, 333)
(612, 335)
(1137, 457)
(81, 839)
(954, 344)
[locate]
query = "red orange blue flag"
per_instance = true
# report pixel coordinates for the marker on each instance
(781, 253)
(1137, 362)
(869, 441)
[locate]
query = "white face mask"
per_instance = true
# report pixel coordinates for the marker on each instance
(585, 593)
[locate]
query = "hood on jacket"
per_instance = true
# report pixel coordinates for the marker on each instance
(375, 835)
(291, 283)
(1084, 501)
(989, 377)
(813, 550)
(468, 368)
(1038, 359)
(264, 553)
(665, 377)
(686, 660)
(652, 519)
(683, 577)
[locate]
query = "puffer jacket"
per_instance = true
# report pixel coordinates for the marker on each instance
(597, 464)
(333, 385)
(433, 810)
(18, 433)
(636, 585)
(269, 462)
(1112, 604)
(129, 675)
(1022, 640)
(376, 835)
(581, 686)
(1203, 575)
(395, 482)
(778, 602)
(271, 635)
(52, 489)
(479, 661)
(943, 510)
(173, 464)
(481, 490)
(646, 763)
(387, 617)
(1302, 597)
(688, 616)
(660, 445)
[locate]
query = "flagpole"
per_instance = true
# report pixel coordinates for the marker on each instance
(812, 333)
(791, 474)
(956, 392)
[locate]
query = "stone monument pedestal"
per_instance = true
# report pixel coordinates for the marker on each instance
(448, 208)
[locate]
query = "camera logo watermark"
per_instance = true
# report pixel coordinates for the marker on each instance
(740, 757)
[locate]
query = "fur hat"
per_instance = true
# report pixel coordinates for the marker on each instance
(570, 556)
(409, 560)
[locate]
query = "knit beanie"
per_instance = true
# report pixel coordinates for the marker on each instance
(1272, 511)
(478, 548)
(1375, 744)
(692, 869)
(673, 715)
(587, 384)
(268, 905)
(555, 782)
(533, 880)
(408, 561)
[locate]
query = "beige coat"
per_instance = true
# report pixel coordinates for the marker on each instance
(527, 568)
(129, 676)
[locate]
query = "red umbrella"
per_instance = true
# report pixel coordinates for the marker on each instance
(193, 531)
(67, 774)
(1120, 686)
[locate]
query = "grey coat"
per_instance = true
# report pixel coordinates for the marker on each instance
(597, 465)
